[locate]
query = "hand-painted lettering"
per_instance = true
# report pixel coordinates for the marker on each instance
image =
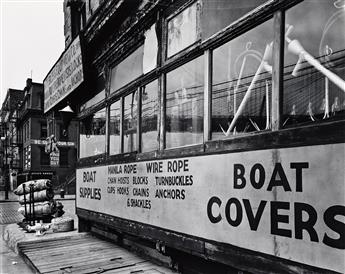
(304, 220)
(337, 226)
(90, 193)
(278, 178)
(154, 167)
(178, 165)
(277, 217)
(89, 176)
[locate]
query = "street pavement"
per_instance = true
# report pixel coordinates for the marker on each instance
(10, 261)
(9, 213)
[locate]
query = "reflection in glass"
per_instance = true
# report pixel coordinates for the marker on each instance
(217, 15)
(149, 119)
(314, 64)
(182, 31)
(241, 89)
(150, 49)
(114, 128)
(92, 134)
(184, 104)
(93, 101)
(128, 70)
(130, 122)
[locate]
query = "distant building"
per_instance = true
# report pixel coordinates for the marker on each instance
(9, 137)
(31, 133)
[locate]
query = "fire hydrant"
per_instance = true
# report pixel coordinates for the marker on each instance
(62, 193)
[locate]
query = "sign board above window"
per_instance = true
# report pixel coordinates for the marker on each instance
(65, 76)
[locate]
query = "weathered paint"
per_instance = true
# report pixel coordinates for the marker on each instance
(284, 202)
(65, 76)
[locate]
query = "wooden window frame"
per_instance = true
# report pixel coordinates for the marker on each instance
(274, 9)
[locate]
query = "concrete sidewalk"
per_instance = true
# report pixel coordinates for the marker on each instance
(12, 235)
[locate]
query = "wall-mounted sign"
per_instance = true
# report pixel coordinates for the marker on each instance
(58, 143)
(27, 157)
(55, 158)
(65, 76)
(286, 202)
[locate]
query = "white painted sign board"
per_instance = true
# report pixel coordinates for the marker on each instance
(284, 202)
(65, 76)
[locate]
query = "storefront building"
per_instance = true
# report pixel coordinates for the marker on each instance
(210, 129)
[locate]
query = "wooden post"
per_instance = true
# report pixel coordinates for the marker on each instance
(107, 78)
(121, 122)
(277, 71)
(107, 130)
(207, 95)
(139, 120)
(162, 88)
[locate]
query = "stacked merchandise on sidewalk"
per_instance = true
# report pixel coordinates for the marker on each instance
(38, 207)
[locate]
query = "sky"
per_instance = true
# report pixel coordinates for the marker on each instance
(31, 41)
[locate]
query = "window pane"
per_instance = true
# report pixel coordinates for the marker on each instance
(115, 125)
(127, 70)
(242, 83)
(44, 130)
(92, 134)
(94, 100)
(149, 119)
(182, 30)
(150, 50)
(184, 104)
(314, 90)
(130, 122)
(217, 15)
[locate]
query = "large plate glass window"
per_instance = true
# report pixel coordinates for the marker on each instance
(92, 134)
(182, 30)
(314, 64)
(184, 104)
(140, 61)
(149, 117)
(115, 128)
(130, 120)
(242, 83)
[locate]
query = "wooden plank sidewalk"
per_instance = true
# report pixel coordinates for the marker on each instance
(85, 255)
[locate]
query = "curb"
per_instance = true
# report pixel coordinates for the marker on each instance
(64, 199)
